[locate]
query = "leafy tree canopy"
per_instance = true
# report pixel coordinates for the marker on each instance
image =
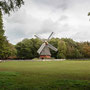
(10, 5)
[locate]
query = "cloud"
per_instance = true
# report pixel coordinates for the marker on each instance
(62, 4)
(83, 35)
(66, 18)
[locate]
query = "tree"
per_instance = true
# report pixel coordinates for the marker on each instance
(6, 49)
(61, 49)
(2, 37)
(12, 51)
(86, 50)
(70, 42)
(88, 13)
(27, 49)
(80, 49)
(10, 5)
(36, 45)
(24, 49)
(6, 6)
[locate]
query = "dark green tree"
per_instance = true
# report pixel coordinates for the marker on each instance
(27, 49)
(12, 51)
(10, 5)
(4, 49)
(36, 45)
(6, 6)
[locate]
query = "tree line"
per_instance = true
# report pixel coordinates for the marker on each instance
(67, 48)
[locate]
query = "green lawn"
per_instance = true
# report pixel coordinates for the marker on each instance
(45, 75)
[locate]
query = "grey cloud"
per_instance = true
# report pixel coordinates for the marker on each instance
(16, 33)
(82, 36)
(31, 19)
(63, 4)
(63, 17)
(50, 26)
(18, 17)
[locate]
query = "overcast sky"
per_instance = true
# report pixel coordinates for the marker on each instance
(66, 18)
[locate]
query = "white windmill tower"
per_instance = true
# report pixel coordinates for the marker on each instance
(44, 50)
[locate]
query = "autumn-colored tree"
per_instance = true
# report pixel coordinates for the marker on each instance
(86, 51)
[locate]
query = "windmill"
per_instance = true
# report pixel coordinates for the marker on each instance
(44, 50)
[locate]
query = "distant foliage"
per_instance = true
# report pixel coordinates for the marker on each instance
(67, 48)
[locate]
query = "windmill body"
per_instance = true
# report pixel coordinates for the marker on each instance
(44, 50)
(45, 53)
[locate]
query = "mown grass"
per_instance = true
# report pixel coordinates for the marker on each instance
(45, 75)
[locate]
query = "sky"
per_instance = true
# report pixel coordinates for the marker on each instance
(66, 18)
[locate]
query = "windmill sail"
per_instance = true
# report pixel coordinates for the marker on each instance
(44, 50)
(41, 48)
(50, 35)
(52, 47)
(38, 37)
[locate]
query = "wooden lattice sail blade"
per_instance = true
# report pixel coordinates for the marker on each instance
(41, 48)
(50, 36)
(39, 38)
(52, 47)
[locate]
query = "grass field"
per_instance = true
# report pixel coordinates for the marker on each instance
(45, 75)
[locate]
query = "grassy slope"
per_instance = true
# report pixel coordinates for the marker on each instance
(44, 75)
